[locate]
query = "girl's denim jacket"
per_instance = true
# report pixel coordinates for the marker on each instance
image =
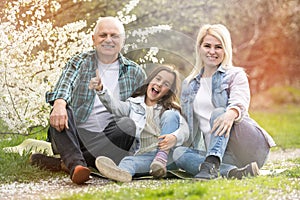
(135, 108)
(230, 89)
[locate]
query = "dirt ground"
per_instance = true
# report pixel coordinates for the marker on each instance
(57, 187)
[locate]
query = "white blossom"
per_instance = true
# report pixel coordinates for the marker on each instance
(33, 53)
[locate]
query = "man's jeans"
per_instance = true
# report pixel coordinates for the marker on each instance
(81, 147)
(140, 164)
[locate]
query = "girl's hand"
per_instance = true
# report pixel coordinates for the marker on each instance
(95, 82)
(166, 142)
(222, 125)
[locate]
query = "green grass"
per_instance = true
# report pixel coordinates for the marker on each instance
(262, 187)
(282, 123)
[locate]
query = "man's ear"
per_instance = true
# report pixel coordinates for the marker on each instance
(93, 38)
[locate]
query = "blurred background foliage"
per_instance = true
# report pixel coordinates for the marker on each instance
(265, 34)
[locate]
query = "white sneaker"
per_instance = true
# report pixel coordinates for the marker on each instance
(109, 169)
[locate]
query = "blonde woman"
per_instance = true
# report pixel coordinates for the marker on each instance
(215, 100)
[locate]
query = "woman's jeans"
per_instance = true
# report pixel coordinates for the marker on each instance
(140, 164)
(246, 144)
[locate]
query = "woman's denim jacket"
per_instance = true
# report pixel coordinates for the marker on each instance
(135, 108)
(230, 89)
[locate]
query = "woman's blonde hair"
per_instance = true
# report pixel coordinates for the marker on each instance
(220, 32)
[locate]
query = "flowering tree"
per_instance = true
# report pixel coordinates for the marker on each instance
(33, 53)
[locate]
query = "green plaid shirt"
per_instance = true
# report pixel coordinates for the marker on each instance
(73, 84)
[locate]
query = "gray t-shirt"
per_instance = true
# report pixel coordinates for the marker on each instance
(100, 117)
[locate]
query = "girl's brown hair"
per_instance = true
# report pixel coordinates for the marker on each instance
(170, 100)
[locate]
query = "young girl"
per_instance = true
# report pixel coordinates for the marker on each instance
(159, 126)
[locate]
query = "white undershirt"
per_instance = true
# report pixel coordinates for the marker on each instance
(100, 117)
(203, 107)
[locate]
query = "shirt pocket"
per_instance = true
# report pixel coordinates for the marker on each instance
(222, 95)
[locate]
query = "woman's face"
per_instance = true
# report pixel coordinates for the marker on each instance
(211, 51)
(158, 87)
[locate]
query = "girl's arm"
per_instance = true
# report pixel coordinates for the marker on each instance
(114, 105)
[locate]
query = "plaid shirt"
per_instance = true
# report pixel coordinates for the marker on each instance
(73, 84)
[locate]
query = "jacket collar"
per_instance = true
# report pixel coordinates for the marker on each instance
(141, 100)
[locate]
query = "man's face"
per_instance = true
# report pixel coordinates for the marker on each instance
(108, 40)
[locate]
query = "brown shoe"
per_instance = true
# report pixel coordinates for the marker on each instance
(81, 174)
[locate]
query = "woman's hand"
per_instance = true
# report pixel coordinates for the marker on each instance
(95, 83)
(166, 142)
(222, 125)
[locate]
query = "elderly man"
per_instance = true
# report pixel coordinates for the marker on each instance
(81, 127)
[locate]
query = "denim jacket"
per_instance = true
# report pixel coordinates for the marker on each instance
(135, 108)
(230, 89)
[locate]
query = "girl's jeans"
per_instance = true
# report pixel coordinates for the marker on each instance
(246, 144)
(140, 164)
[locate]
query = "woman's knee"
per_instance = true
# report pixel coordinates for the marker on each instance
(216, 113)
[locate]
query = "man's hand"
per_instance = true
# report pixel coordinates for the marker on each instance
(59, 116)
(96, 83)
(166, 142)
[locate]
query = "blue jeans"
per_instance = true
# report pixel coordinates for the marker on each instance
(246, 144)
(140, 164)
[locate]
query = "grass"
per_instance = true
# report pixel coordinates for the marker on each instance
(281, 123)
(263, 187)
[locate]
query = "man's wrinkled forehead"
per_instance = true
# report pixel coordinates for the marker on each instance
(109, 22)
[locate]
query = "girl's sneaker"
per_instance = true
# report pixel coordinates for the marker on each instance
(109, 169)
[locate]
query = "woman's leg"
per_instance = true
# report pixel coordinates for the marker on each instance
(188, 159)
(209, 169)
(247, 149)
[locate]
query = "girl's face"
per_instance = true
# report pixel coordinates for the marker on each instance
(211, 51)
(158, 87)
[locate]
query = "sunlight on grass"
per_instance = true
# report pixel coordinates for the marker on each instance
(282, 124)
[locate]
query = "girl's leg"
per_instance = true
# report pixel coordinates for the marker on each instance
(137, 164)
(169, 123)
(127, 168)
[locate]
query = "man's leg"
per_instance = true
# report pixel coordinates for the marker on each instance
(67, 144)
(115, 142)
